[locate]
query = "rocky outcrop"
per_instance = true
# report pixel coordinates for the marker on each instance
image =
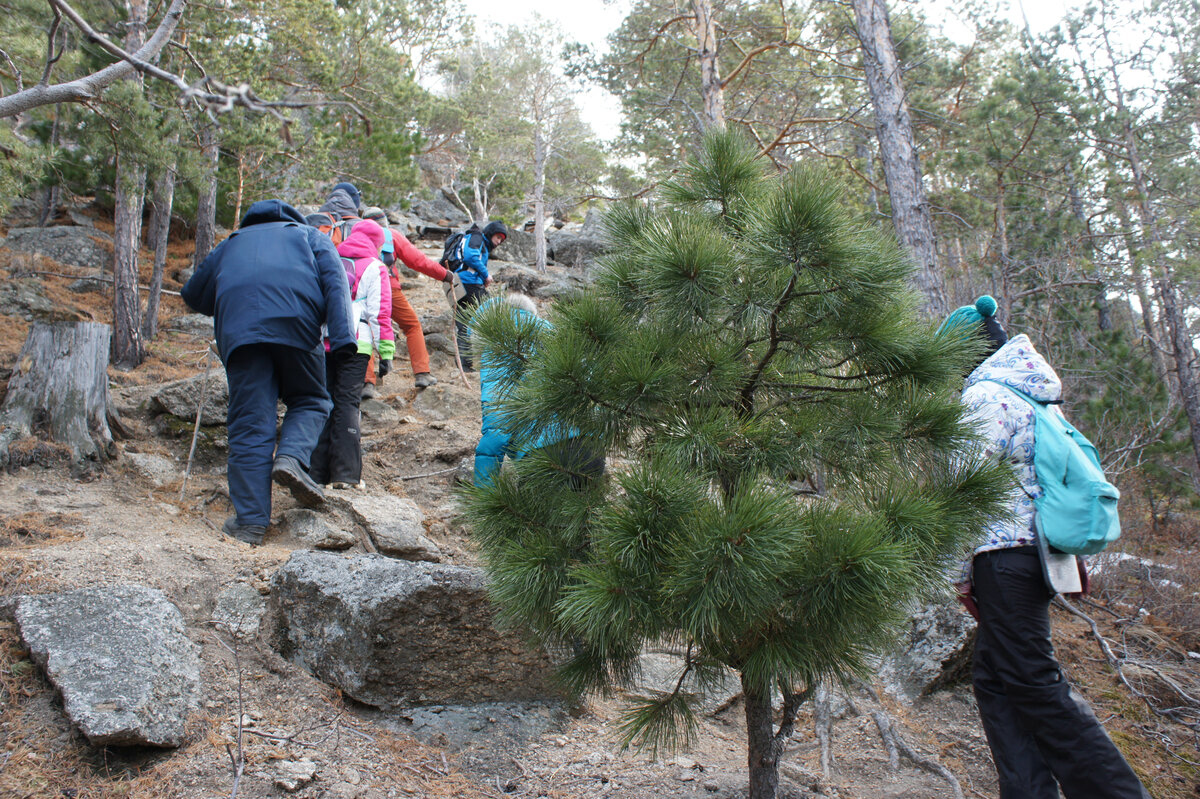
(440, 211)
(396, 526)
(935, 651)
(83, 247)
(180, 398)
(569, 249)
(392, 633)
(520, 247)
(128, 674)
(193, 324)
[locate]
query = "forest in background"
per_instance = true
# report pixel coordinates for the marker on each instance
(1056, 171)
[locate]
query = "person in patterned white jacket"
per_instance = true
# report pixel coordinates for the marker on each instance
(1042, 734)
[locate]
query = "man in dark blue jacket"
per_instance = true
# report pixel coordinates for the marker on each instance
(270, 286)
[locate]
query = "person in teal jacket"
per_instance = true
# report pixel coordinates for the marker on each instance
(496, 443)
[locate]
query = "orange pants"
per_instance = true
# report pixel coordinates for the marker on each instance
(406, 318)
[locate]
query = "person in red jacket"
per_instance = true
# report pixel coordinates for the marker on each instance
(402, 312)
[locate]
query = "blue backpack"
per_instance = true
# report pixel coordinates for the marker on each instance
(1077, 511)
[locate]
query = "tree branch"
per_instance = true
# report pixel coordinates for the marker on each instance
(87, 87)
(209, 92)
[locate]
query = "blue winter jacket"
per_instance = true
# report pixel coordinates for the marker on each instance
(275, 280)
(495, 443)
(473, 251)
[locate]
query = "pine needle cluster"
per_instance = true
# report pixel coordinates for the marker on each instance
(789, 467)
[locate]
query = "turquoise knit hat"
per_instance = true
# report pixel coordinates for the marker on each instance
(967, 316)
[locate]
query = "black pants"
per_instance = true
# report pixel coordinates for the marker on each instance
(259, 376)
(475, 295)
(1040, 731)
(338, 455)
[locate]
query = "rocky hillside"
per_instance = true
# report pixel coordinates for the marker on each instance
(354, 654)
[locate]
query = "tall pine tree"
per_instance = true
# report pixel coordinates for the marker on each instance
(789, 465)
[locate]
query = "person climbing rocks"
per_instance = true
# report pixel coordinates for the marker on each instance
(270, 287)
(469, 261)
(337, 458)
(402, 250)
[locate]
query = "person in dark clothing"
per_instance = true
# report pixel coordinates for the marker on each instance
(353, 193)
(1042, 734)
(270, 286)
(471, 261)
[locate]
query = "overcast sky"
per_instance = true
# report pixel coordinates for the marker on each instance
(590, 21)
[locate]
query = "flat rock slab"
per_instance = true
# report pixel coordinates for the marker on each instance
(393, 633)
(311, 529)
(180, 398)
(84, 247)
(128, 674)
(395, 525)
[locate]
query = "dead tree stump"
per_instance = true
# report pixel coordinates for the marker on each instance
(58, 396)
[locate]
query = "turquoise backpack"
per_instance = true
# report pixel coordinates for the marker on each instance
(1077, 511)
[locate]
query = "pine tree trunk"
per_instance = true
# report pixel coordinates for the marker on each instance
(1184, 354)
(480, 203)
(1103, 307)
(160, 232)
(539, 198)
(59, 393)
(760, 735)
(128, 350)
(1004, 262)
(206, 205)
(710, 68)
(901, 164)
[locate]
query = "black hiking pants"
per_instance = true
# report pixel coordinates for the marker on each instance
(476, 294)
(338, 454)
(1042, 734)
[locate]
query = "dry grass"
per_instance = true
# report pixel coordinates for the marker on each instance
(36, 529)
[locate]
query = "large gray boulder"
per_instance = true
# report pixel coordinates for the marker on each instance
(935, 651)
(128, 674)
(523, 279)
(395, 525)
(180, 398)
(392, 633)
(83, 247)
(439, 211)
(193, 324)
(520, 247)
(568, 249)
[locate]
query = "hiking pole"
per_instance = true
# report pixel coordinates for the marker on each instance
(453, 300)
(199, 413)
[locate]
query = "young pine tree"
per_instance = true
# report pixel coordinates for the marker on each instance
(744, 334)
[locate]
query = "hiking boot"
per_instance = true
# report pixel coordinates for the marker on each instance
(369, 391)
(291, 475)
(252, 534)
(424, 380)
